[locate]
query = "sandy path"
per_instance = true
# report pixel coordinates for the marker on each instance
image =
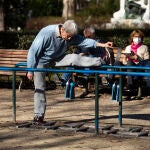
(135, 112)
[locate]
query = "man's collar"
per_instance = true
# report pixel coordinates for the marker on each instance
(58, 34)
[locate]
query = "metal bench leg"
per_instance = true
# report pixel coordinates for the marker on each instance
(139, 91)
(20, 85)
(117, 92)
(72, 92)
(113, 93)
(67, 92)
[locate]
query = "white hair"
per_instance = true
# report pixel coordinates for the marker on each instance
(91, 29)
(70, 27)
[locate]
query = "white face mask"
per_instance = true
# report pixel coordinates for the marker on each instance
(137, 40)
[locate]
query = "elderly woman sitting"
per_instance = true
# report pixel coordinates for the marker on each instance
(136, 54)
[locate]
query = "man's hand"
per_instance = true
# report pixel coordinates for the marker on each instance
(109, 44)
(29, 76)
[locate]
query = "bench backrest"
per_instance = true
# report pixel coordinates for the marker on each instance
(118, 54)
(10, 57)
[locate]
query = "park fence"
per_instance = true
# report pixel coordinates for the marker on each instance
(96, 72)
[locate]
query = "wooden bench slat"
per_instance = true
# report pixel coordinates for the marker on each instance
(115, 51)
(7, 65)
(11, 57)
(9, 62)
(10, 73)
(15, 51)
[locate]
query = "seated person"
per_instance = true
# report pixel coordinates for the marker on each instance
(89, 32)
(136, 54)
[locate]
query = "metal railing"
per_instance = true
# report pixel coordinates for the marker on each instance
(96, 72)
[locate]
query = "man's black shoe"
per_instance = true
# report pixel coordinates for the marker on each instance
(39, 120)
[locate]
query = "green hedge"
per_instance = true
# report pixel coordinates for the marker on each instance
(23, 40)
(16, 40)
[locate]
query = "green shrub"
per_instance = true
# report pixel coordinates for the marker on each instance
(121, 42)
(25, 41)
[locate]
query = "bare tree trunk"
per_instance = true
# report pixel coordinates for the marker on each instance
(1, 18)
(81, 4)
(68, 8)
(97, 2)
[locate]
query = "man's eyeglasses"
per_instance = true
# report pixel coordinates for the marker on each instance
(69, 36)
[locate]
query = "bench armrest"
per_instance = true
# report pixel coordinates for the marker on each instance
(21, 64)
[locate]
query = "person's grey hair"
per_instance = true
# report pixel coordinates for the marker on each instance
(70, 27)
(91, 29)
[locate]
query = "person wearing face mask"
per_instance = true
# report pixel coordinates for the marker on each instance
(136, 54)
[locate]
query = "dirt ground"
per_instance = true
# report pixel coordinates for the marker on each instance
(135, 113)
